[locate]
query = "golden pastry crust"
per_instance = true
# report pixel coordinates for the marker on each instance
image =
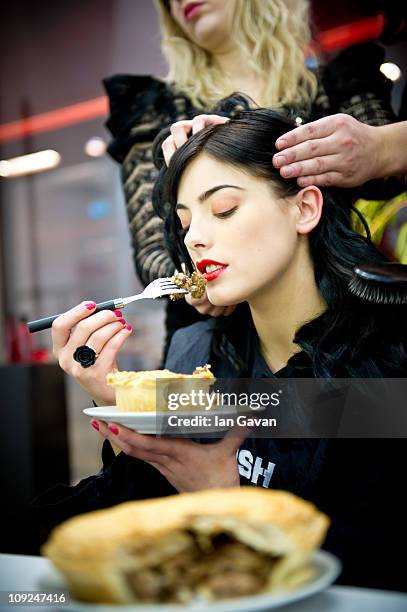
(98, 551)
(138, 391)
(195, 285)
(149, 377)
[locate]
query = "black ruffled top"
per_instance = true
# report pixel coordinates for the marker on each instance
(352, 82)
(139, 107)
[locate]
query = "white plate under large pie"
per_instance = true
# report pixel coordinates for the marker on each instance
(152, 422)
(327, 569)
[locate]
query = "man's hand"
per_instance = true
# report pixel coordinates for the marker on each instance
(334, 151)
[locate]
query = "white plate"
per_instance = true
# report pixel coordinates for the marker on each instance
(149, 422)
(327, 569)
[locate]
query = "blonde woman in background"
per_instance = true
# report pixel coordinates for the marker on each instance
(214, 48)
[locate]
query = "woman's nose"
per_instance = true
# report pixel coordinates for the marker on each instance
(197, 236)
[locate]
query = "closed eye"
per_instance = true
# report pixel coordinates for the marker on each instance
(223, 215)
(226, 213)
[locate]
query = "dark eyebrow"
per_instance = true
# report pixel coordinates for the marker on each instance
(207, 194)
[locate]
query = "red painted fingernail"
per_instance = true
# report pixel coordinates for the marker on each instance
(95, 425)
(129, 327)
(117, 313)
(90, 305)
(113, 429)
(122, 321)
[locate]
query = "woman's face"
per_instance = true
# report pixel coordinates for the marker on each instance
(235, 219)
(208, 23)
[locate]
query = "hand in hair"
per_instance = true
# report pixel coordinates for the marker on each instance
(182, 129)
(204, 307)
(335, 151)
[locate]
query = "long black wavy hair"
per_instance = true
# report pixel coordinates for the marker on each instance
(352, 337)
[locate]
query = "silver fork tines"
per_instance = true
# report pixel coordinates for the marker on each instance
(157, 288)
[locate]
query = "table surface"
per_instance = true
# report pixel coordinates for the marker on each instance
(24, 573)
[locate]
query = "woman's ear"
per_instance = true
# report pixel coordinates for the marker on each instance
(309, 203)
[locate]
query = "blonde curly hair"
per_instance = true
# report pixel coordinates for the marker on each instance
(272, 34)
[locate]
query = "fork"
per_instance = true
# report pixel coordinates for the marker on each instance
(157, 288)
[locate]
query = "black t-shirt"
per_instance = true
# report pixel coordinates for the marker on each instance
(358, 483)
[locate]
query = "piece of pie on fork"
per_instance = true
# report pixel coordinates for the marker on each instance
(194, 284)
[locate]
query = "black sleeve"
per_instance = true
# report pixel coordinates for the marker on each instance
(356, 86)
(121, 479)
(140, 106)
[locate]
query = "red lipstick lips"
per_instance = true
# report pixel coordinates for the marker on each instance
(191, 9)
(209, 276)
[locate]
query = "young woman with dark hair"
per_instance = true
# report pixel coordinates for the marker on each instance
(284, 254)
(352, 337)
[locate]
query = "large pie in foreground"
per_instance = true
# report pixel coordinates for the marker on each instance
(213, 544)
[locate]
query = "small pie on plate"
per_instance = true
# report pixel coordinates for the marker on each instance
(141, 391)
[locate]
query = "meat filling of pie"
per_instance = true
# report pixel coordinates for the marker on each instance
(194, 284)
(216, 568)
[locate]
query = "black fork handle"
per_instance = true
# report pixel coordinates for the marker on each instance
(46, 323)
